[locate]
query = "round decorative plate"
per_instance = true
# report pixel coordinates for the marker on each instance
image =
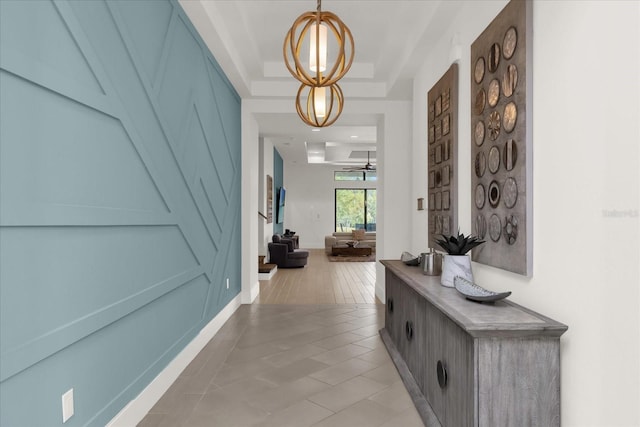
(481, 226)
(494, 159)
(479, 133)
(480, 196)
(481, 164)
(495, 228)
(494, 194)
(510, 192)
(494, 92)
(478, 73)
(509, 43)
(480, 101)
(493, 125)
(494, 57)
(509, 117)
(510, 154)
(509, 80)
(511, 229)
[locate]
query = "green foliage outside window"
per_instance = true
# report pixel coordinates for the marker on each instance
(372, 199)
(353, 207)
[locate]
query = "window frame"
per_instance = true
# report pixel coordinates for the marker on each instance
(363, 176)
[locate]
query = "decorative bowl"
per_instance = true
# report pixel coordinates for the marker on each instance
(473, 292)
(410, 259)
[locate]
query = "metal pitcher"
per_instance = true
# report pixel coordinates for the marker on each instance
(431, 263)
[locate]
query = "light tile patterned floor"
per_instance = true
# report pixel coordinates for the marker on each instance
(291, 365)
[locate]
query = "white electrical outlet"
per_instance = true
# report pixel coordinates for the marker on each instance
(227, 283)
(67, 405)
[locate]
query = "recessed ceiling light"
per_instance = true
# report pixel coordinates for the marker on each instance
(354, 136)
(315, 130)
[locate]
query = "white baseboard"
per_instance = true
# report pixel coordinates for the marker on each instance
(250, 294)
(267, 276)
(138, 408)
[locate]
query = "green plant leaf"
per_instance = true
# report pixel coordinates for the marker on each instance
(458, 245)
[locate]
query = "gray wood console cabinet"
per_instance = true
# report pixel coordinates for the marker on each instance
(471, 364)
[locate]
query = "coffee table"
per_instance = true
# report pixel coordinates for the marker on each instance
(344, 250)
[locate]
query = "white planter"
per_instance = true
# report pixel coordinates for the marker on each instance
(455, 265)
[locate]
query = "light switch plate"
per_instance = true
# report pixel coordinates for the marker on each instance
(67, 405)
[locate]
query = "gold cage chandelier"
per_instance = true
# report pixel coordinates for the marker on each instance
(323, 105)
(324, 98)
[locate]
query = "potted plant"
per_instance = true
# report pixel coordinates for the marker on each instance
(456, 262)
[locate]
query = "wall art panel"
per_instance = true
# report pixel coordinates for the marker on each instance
(501, 140)
(443, 153)
(269, 199)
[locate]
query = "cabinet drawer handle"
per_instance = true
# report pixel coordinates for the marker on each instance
(408, 330)
(390, 305)
(441, 371)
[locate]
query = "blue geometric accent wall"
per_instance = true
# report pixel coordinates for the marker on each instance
(119, 201)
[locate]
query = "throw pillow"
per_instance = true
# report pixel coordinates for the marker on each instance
(358, 234)
(289, 244)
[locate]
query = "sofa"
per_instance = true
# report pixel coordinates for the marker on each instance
(283, 253)
(367, 238)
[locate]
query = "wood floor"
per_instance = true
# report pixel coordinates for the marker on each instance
(321, 282)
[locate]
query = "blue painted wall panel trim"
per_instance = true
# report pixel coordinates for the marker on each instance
(119, 201)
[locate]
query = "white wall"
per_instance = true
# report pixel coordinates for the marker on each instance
(394, 187)
(249, 199)
(586, 190)
(309, 210)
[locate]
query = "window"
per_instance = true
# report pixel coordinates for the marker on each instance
(347, 176)
(355, 176)
(355, 209)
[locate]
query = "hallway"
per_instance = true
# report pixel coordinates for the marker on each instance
(321, 282)
(298, 365)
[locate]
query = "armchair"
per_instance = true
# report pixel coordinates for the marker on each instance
(283, 254)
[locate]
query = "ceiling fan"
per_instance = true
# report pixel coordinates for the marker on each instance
(367, 167)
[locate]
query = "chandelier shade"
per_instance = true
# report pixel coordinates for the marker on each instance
(319, 106)
(318, 47)
(316, 31)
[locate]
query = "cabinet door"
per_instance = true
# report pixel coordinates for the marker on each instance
(449, 370)
(392, 311)
(412, 333)
(434, 322)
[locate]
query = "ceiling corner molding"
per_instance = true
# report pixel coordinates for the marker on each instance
(212, 29)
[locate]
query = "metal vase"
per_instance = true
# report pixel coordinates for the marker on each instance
(431, 263)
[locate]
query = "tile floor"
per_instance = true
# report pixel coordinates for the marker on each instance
(291, 366)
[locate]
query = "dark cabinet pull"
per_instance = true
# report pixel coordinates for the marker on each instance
(408, 330)
(441, 371)
(390, 305)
